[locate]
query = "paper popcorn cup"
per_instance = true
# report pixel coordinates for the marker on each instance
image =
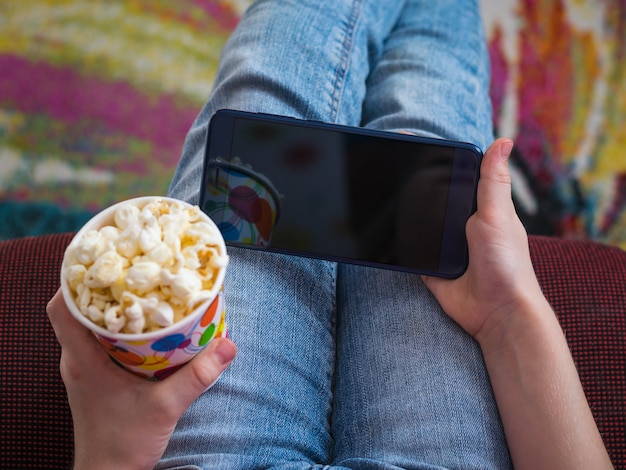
(155, 354)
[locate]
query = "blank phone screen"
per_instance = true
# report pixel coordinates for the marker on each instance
(332, 194)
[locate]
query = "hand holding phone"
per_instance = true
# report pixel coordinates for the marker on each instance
(341, 193)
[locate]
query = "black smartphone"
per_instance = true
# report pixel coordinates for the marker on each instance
(340, 193)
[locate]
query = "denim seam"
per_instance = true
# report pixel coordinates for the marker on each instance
(333, 269)
(344, 62)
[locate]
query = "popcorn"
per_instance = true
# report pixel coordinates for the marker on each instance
(105, 270)
(144, 276)
(147, 268)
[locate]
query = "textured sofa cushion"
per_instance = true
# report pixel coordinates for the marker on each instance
(584, 281)
(35, 421)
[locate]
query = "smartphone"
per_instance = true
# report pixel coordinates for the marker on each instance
(340, 193)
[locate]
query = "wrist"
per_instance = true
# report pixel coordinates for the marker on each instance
(521, 322)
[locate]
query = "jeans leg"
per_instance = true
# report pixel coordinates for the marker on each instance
(302, 58)
(308, 59)
(433, 76)
(411, 387)
(273, 404)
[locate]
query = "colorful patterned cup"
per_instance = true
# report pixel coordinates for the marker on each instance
(245, 202)
(157, 354)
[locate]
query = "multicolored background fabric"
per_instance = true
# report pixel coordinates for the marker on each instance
(96, 98)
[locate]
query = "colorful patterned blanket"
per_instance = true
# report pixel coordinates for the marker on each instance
(96, 98)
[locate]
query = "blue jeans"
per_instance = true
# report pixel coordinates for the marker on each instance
(342, 366)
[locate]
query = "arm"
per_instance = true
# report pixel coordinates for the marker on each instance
(546, 418)
(121, 420)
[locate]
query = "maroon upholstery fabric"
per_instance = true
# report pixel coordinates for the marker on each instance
(584, 281)
(35, 421)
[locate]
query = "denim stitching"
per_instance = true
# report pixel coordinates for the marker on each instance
(344, 62)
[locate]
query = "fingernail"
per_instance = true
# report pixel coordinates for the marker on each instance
(506, 148)
(225, 350)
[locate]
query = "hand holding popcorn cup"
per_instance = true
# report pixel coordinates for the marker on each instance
(145, 276)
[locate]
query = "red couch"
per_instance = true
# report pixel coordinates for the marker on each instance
(584, 281)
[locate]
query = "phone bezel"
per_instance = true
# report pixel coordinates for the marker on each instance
(453, 256)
